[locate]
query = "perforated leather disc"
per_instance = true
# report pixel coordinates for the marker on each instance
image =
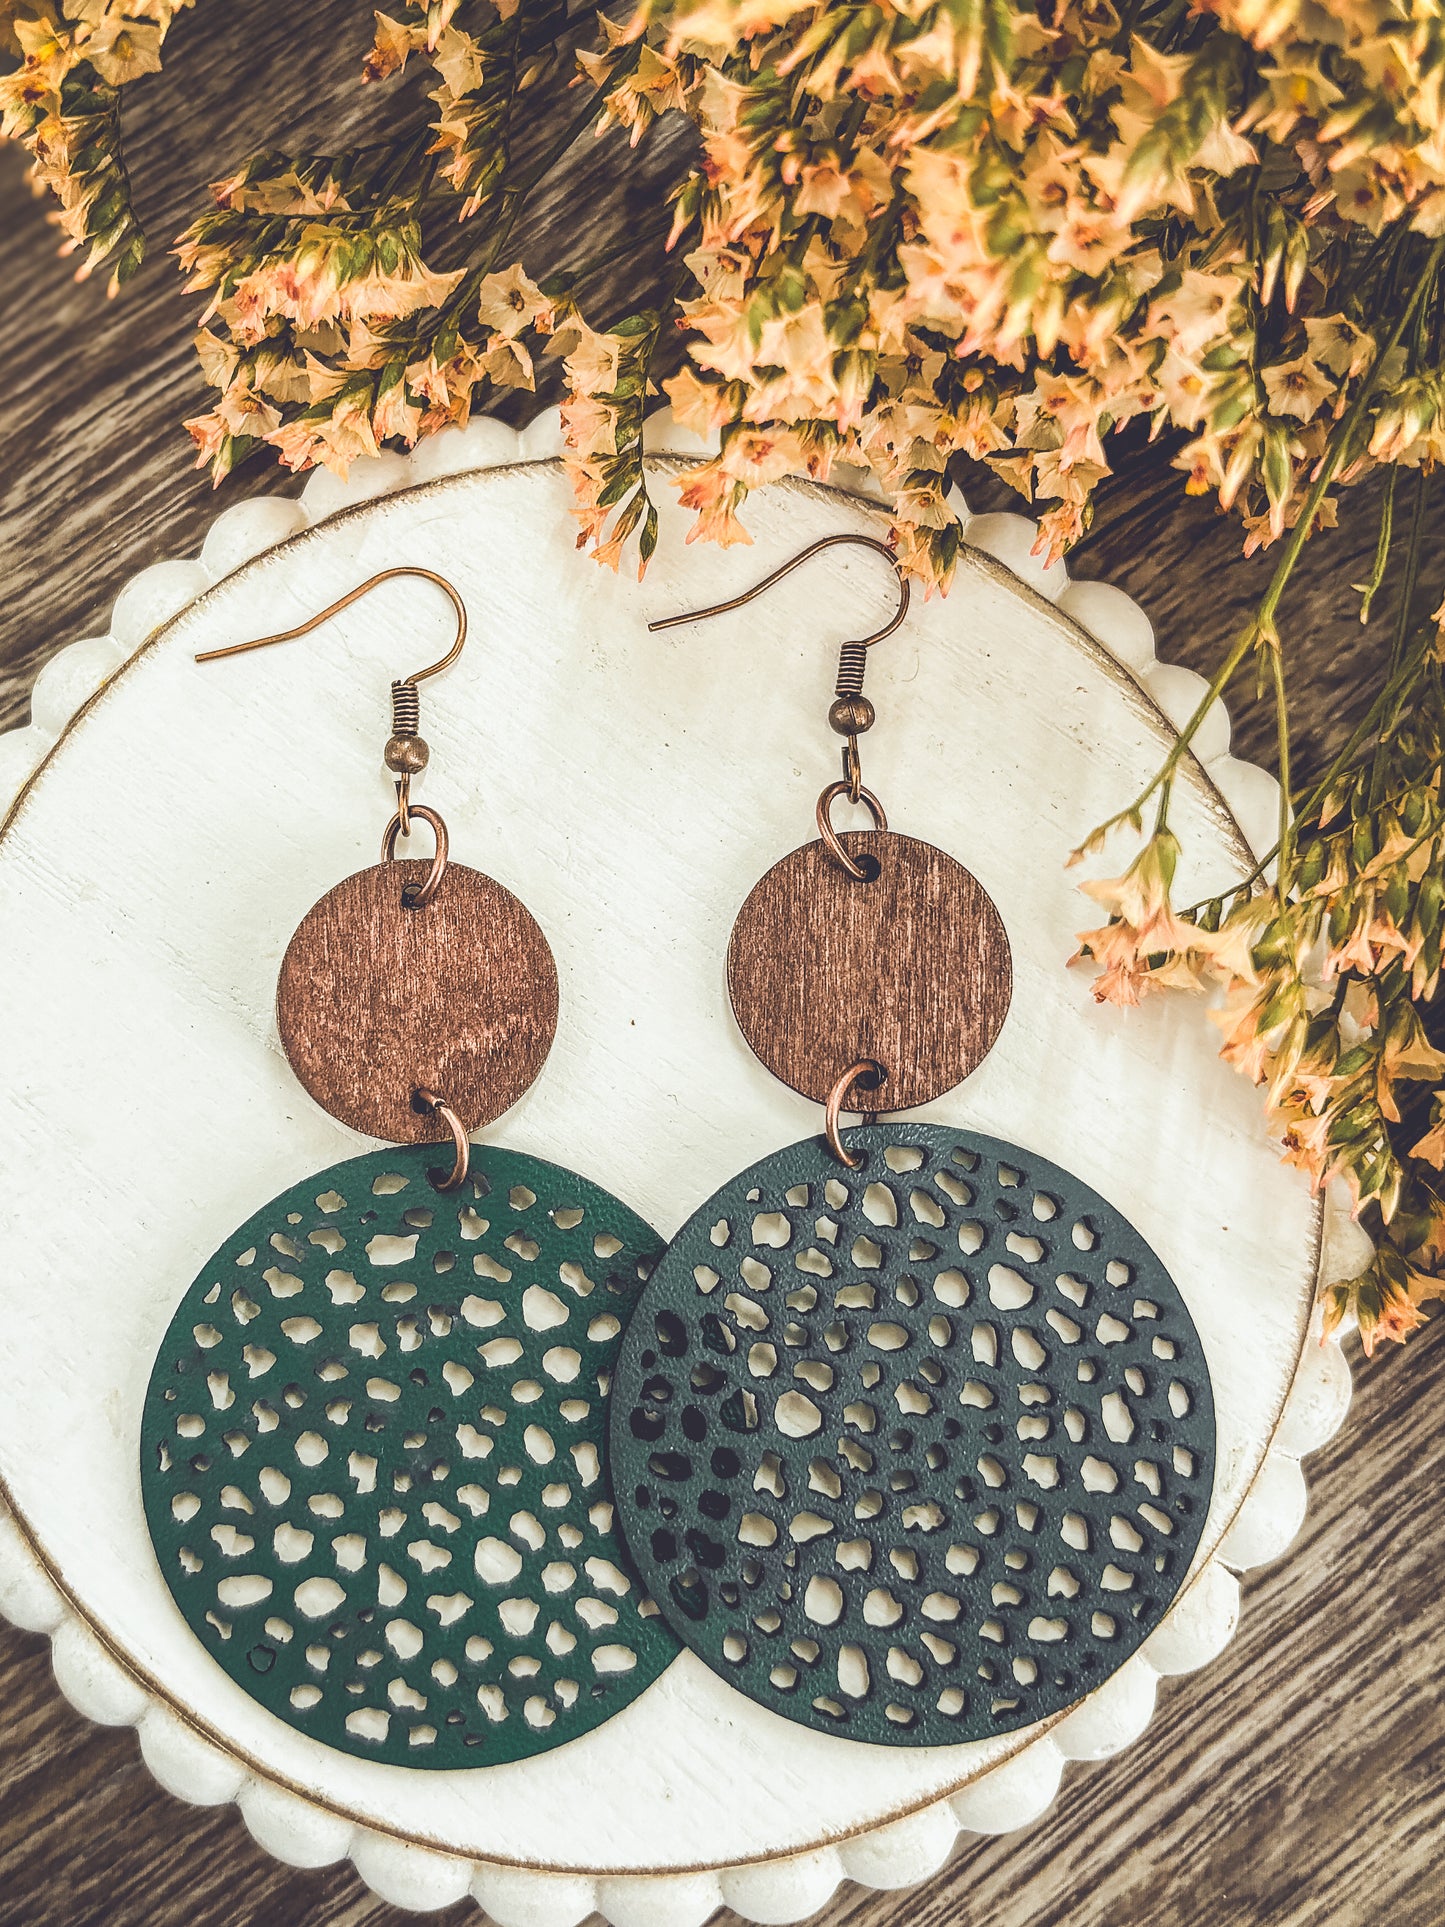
(914, 1453)
(373, 1459)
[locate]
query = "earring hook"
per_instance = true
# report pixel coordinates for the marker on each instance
(345, 602)
(850, 713)
(406, 753)
(806, 555)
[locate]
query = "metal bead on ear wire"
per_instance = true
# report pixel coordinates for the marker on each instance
(851, 715)
(406, 755)
(373, 1445)
(913, 1435)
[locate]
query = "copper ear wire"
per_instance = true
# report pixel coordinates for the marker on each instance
(345, 602)
(850, 713)
(853, 654)
(406, 753)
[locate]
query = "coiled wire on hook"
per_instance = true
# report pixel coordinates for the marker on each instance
(405, 745)
(405, 709)
(852, 664)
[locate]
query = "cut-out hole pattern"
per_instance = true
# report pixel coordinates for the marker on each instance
(399, 1535)
(974, 1513)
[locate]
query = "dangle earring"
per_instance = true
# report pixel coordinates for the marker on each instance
(912, 1434)
(373, 1445)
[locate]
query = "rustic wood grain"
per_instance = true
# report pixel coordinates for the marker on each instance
(1298, 1782)
(457, 996)
(827, 970)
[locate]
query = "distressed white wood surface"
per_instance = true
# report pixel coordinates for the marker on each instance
(631, 789)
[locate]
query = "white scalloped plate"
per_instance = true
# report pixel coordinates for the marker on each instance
(146, 901)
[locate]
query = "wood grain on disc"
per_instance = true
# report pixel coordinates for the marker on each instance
(911, 968)
(377, 999)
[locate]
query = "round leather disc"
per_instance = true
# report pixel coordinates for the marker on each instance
(377, 999)
(916, 1452)
(910, 968)
(374, 1459)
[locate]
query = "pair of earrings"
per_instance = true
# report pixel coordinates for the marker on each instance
(907, 1434)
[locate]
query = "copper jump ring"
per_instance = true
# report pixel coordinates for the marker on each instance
(432, 881)
(853, 770)
(864, 1067)
(830, 835)
(433, 1106)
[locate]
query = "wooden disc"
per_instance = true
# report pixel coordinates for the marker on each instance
(911, 968)
(377, 999)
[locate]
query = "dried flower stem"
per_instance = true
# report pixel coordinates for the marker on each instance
(1260, 631)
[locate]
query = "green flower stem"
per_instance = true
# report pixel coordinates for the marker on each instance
(1403, 679)
(1371, 589)
(1286, 820)
(1306, 812)
(1408, 585)
(1261, 628)
(514, 194)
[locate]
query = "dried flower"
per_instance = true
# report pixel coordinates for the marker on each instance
(60, 99)
(910, 234)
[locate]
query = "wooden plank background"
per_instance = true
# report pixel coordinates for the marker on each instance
(1300, 1781)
